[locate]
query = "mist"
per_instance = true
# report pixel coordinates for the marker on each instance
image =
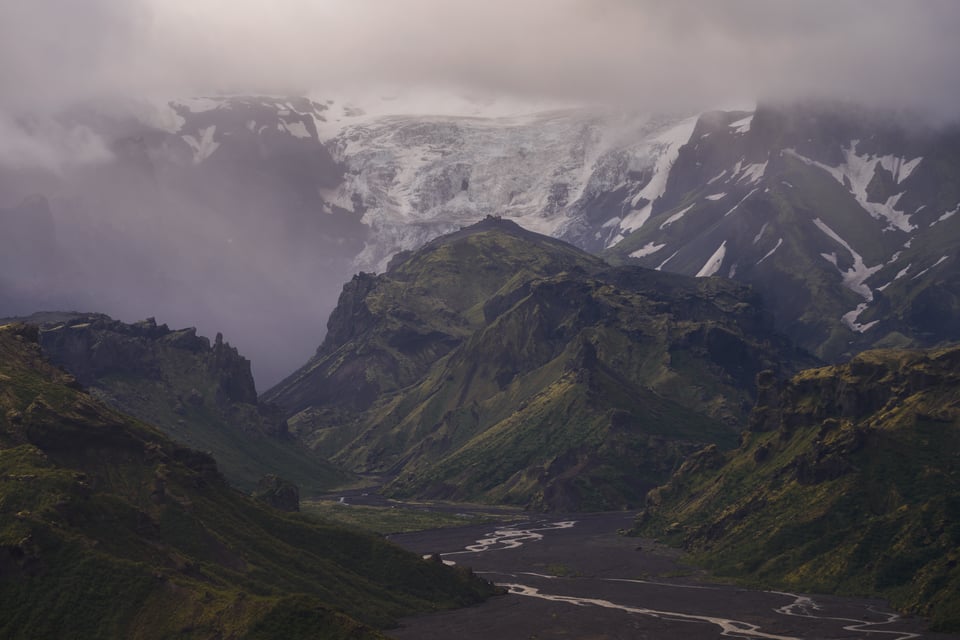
(241, 250)
(682, 54)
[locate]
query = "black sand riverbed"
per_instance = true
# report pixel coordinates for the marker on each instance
(575, 577)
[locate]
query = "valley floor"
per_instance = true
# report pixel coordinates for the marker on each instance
(574, 577)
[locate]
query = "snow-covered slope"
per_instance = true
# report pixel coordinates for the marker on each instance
(842, 218)
(416, 177)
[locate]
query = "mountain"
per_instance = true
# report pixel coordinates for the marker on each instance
(415, 177)
(842, 218)
(500, 364)
(199, 394)
(848, 481)
(110, 529)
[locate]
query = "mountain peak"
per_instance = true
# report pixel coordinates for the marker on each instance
(495, 343)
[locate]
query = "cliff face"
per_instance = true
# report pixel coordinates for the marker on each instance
(848, 480)
(200, 393)
(109, 529)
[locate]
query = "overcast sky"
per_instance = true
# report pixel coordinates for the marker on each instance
(655, 54)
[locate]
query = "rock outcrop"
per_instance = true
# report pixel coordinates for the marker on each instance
(200, 393)
(848, 480)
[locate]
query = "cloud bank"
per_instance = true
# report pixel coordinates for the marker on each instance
(681, 54)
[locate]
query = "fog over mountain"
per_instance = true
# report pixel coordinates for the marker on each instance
(650, 53)
(146, 237)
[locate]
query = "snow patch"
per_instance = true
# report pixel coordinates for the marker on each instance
(665, 148)
(714, 263)
(204, 145)
(759, 235)
(900, 168)
(636, 218)
(648, 249)
(717, 196)
(859, 171)
(753, 172)
(664, 263)
(742, 125)
(855, 277)
(850, 319)
(679, 214)
(752, 191)
(716, 177)
(899, 275)
(947, 215)
(771, 252)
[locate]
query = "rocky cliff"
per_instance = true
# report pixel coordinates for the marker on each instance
(847, 481)
(200, 393)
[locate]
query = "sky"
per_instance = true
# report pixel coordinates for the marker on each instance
(646, 53)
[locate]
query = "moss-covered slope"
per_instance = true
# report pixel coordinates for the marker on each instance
(501, 365)
(849, 481)
(108, 529)
(198, 393)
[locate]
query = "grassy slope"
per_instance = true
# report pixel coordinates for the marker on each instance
(243, 453)
(108, 529)
(570, 384)
(850, 484)
(155, 390)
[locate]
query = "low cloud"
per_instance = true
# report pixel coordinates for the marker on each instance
(682, 54)
(45, 143)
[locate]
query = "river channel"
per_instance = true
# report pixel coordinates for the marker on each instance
(575, 577)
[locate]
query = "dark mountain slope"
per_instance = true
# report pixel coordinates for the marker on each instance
(109, 529)
(387, 330)
(200, 394)
(849, 481)
(842, 218)
(502, 365)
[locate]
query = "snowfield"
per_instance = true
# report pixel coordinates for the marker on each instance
(417, 176)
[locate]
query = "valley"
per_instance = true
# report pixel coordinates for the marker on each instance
(572, 575)
(433, 319)
(513, 370)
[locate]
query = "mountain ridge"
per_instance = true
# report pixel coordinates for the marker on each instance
(200, 393)
(846, 482)
(497, 330)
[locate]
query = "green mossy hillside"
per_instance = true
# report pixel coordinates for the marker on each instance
(500, 365)
(198, 393)
(847, 482)
(108, 529)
